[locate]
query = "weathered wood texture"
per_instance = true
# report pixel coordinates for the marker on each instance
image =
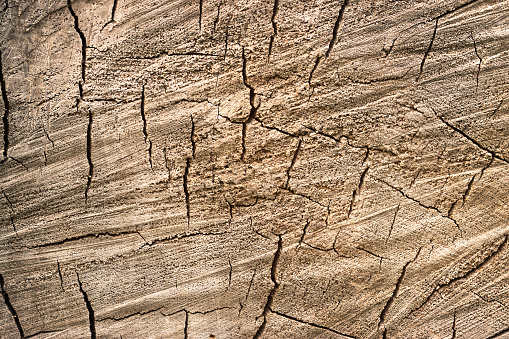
(254, 169)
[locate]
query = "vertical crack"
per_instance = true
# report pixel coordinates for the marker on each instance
(193, 142)
(112, 18)
(5, 118)
(274, 27)
(225, 44)
(89, 155)
(230, 273)
(270, 298)
(254, 108)
(10, 307)
(428, 50)
(357, 191)
(480, 61)
(144, 119)
(60, 276)
(395, 292)
(389, 50)
(47, 136)
(336, 28)
(91, 317)
(469, 188)
(301, 240)
(186, 191)
(186, 325)
(294, 159)
(201, 13)
(82, 38)
(454, 326)
(216, 20)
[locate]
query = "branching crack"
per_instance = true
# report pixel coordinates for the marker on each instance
(422, 204)
(292, 163)
(91, 317)
(310, 324)
(467, 274)
(466, 136)
(395, 292)
(336, 28)
(112, 18)
(186, 190)
(5, 118)
(274, 27)
(89, 155)
(357, 191)
(10, 307)
(428, 50)
(270, 298)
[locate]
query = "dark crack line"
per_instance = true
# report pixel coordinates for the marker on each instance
(292, 163)
(216, 20)
(427, 50)
(60, 276)
(454, 325)
(469, 189)
(85, 236)
(388, 51)
(301, 240)
(254, 108)
(131, 315)
(392, 223)
(270, 298)
(186, 190)
(5, 118)
(89, 155)
(337, 24)
(395, 292)
(456, 9)
(480, 61)
(357, 191)
(499, 334)
(274, 27)
(230, 273)
(496, 109)
(83, 41)
(373, 254)
(225, 42)
(10, 307)
(466, 136)
(201, 14)
(422, 204)
(186, 325)
(164, 53)
(112, 18)
(91, 317)
(466, 275)
(47, 136)
(313, 70)
(193, 142)
(310, 324)
(145, 132)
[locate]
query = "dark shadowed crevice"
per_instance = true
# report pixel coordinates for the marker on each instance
(5, 118)
(274, 27)
(10, 307)
(421, 69)
(82, 38)
(89, 155)
(91, 317)
(270, 298)
(186, 190)
(336, 28)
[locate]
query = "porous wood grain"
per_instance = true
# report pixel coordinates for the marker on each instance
(254, 169)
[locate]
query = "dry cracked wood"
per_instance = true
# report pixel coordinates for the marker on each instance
(254, 169)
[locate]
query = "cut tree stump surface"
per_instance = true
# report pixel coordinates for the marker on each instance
(254, 169)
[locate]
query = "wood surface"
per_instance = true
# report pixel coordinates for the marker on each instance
(254, 169)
